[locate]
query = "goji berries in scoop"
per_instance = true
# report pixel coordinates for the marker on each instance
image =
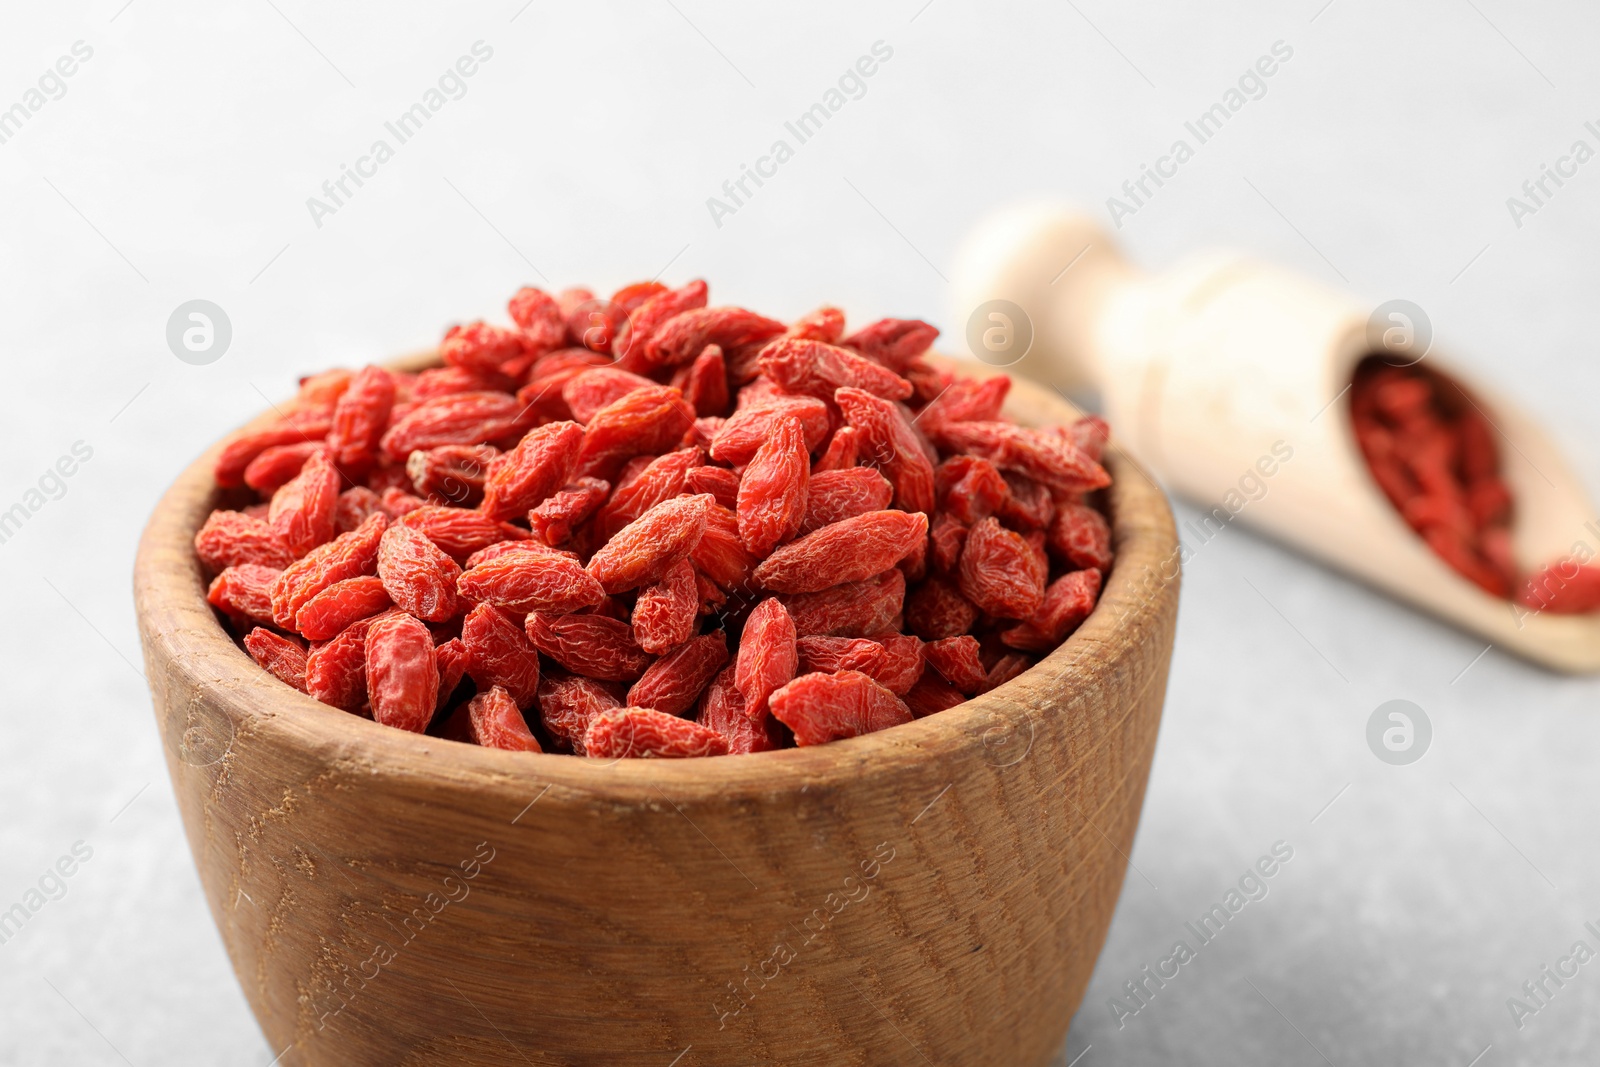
(654, 527)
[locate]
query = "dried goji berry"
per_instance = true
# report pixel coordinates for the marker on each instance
(495, 721)
(722, 710)
(685, 336)
(659, 479)
(459, 419)
(828, 707)
(479, 346)
(967, 400)
(845, 551)
(826, 324)
(232, 539)
(829, 654)
(450, 658)
(893, 342)
(359, 419)
(349, 555)
(936, 609)
(539, 317)
(336, 670)
(633, 296)
(772, 489)
(645, 422)
(453, 474)
(664, 614)
(1082, 537)
(302, 509)
(239, 450)
(1045, 458)
(500, 654)
(1563, 588)
(402, 674)
(1005, 669)
(244, 593)
(644, 733)
(892, 444)
(596, 387)
(720, 482)
(554, 521)
(642, 551)
(568, 703)
(594, 324)
(998, 572)
(397, 502)
(720, 553)
(767, 656)
(903, 659)
(283, 657)
(417, 574)
(706, 383)
(816, 369)
(947, 537)
(277, 465)
(747, 429)
(674, 682)
(956, 659)
(855, 609)
(835, 495)
(531, 580)
(444, 381)
(592, 645)
(932, 694)
(844, 447)
(354, 507)
(334, 608)
(1067, 602)
(540, 464)
(630, 349)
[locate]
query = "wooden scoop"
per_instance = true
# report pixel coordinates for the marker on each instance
(1230, 379)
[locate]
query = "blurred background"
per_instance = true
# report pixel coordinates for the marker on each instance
(175, 162)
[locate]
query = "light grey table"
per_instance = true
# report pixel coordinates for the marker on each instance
(176, 163)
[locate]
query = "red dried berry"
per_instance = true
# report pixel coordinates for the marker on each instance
(931, 695)
(902, 665)
(772, 489)
(816, 369)
(295, 428)
(275, 466)
(674, 682)
(539, 317)
(280, 656)
(568, 703)
(645, 422)
(450, 659)
(349, 555)
(459, 532)
(683, 337)
(1081, 536)
(893, 342)
(355, 506)
(302, 509)
(768, 655)
(967, 400)
(828, 707)
(540, 465)
(643, 323)
(554, 521)
(826, 324)
(402, 675)
(890, 443)
(479, 346)
(720, 553)
(633, 296)
(720, 482)
(936, 609)
(855, 609)
(500, 654)
(633, 733)
(659, 479)
(453, 474)
(1027, 505)
(336, 670)
(445, 381)
(398, 502)
(706, 383)
(835, 495)
(738, 439)
(1067, 602)
(495, 721)
(844, 448)
(591, 645)
(1564, 588)
(947, 537)
(957, 661)
(665, 612)
(531, 580)
(244, 593)
(642, 551)
(417, 575)
(458, 419)
(588, 392)
(1005, 669)
(830, 654)
(722, 710)
(999, 572)
(846, 551)
(232, 539)
(1043, 457)
(344, 602)
(359, 419)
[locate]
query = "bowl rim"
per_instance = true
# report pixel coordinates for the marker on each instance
(181, 633)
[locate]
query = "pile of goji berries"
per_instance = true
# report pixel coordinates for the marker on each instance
(1433, 452)
(647, 527)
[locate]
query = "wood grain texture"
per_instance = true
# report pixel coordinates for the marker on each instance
(935, 893)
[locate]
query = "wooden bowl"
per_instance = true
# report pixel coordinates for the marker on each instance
(934, 893)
